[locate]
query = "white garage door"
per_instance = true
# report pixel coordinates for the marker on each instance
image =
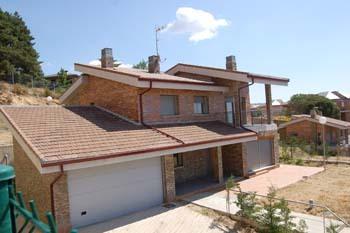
(259, 154)
(101, 193)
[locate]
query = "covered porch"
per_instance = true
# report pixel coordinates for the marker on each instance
(205, 169)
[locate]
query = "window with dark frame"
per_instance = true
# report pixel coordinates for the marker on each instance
(169, 105)
(201, 105)
(178, 160)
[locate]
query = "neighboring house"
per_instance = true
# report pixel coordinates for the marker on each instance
(259, 113)
(342, 100)
(53, 79)
(309, 128)
(128, 139)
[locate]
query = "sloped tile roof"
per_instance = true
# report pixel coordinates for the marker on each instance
(204, 131)
(330, 121)
(59, 134)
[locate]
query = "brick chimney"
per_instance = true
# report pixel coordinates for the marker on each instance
(107, 58)
(314, 112)
(231, 63)
(153, 64)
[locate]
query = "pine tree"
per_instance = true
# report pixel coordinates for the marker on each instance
(17, 54)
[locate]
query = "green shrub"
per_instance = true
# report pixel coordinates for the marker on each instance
(47, 92)
(299, 162)
(333, 228)
(247, 204)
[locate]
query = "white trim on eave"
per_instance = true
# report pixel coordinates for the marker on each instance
(71, 89)
(241, 77)
(234, 76)
(121, 159)
(134, 81)
(311, 120)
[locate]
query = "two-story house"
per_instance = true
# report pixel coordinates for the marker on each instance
(127, 139)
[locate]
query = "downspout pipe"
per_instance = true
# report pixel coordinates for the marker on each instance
(240, 102)
(52, 194)
(141, 115)
(140, 101)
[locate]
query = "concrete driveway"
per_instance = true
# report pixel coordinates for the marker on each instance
(185, 219)
(180, 219)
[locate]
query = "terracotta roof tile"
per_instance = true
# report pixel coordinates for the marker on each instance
(203, 131)
(65, 134)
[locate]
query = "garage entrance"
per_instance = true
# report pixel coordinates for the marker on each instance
(259, 154)
(101, 193)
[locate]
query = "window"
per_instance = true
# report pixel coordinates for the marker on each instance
(201, 105)
(169, 105)
(230, 110)
(178, 161)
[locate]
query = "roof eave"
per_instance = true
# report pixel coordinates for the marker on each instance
(225, 74)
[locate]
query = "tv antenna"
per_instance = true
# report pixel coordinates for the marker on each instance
(157, 30)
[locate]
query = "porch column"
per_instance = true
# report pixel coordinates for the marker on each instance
(268, 103)
(347, 136)
(244, 159)
(216, 158)
(168, 178)
(275, 150)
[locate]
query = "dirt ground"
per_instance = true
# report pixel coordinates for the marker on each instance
(330, 187)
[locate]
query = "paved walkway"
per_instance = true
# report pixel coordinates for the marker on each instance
(182, 219)
(217, 201)
(279, 177)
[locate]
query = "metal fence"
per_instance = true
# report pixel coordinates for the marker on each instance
(328, 216)
(14, 215)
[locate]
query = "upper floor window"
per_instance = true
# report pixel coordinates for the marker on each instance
(201, 105)
(169, 105)
(230, 110)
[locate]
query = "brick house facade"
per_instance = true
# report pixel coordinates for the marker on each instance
(112, 119)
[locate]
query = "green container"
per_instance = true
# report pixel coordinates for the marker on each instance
(6, 175)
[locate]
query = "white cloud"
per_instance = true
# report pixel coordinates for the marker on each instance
(95, 63)
(119, 63)
(199, 24)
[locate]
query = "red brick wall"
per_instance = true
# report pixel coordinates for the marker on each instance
(233, 91)
(36, 186)
(116, 97)
(196, 164)
(309, 131)
(234, 160)
(123, 99)
(344, 105)
(151, 106)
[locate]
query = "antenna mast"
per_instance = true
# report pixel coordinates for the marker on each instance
(157, 30)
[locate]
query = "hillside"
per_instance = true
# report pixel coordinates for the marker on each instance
(21, 95)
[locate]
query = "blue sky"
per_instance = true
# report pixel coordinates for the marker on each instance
(306, 41)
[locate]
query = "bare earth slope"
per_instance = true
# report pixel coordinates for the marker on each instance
(20, 95)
